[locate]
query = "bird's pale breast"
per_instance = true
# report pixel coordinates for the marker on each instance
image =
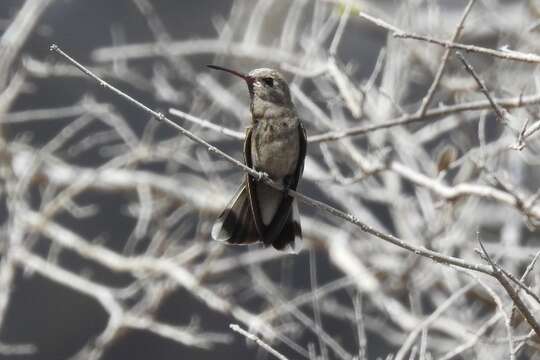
(275, 146)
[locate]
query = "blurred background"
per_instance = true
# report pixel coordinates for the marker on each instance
(105, 213)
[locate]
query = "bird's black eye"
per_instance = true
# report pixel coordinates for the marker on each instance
(268, 81)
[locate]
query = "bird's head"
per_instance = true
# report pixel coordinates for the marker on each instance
(264, 84)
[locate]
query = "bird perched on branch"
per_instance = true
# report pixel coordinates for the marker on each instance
(275, 144)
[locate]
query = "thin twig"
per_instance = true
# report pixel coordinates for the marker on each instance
(15, 36)
(258, 341)
(399, 33)
(207, 124)
(429, 96)
(473, 339)
(500, 306)
(506, 55)
(409, 342)
(498, 110)
(315, 299)
(522, 307)
(360, 327)
(513, 102)
(521, 281)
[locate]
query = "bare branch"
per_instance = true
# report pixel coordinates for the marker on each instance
(259, 342)
(522, 307)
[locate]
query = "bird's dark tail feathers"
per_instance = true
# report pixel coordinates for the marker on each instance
(236, 225)
(290, 237)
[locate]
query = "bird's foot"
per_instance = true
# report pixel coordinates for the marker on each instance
(263, 176)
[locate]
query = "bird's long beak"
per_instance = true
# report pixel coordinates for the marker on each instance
(248, 79)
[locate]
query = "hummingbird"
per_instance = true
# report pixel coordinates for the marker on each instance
(275, 144)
